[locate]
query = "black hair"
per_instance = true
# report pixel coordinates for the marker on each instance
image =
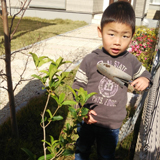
(121, 12)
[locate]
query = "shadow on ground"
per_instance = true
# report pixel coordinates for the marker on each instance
(30, 131)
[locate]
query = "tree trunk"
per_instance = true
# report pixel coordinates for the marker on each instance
(8, 69)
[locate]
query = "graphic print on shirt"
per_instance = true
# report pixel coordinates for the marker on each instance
(107, 88)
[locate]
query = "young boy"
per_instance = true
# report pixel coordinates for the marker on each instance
(107, 108)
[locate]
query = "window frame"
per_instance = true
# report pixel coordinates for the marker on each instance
(155, 3)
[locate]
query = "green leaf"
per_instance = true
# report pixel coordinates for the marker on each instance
(57, 118)
(79, 119)
(61, 139)
(52, 70)
(35, 59)
(63, 75)
(61, 97)
(73, 112)
(68, 62)
(90, 95)
(84, 111)
(45, 119)
(43, 60)
(50, 114)
(49, 149)
(44, 71)
(52, 84)
(44, 79)
(68, 126)
(68, 152)
(55, 144)
(52, 139)
(43, 57)
(46, 142)
(48, 156)
(69, 139)
(59, 61)
(55, 97)
(81, 93)
(29, 153)
(73, 91)
(71, 109)
(36, 76)
(69, 103)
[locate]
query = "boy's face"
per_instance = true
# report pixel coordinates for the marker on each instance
(115, 37)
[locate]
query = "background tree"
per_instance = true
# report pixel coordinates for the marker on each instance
(7, 43)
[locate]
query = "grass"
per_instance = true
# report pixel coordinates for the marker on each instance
(31, 133)
(32, 30)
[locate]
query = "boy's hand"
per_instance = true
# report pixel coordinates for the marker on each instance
(90, 119)
(140, 83)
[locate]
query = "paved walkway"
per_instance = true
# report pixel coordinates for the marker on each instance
(73, 46)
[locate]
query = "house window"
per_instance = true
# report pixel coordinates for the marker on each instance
(155, 1)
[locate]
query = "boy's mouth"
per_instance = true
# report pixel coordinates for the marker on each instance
(115, 50)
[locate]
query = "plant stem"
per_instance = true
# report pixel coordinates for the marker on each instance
(58, 153)
(44, 131)
(53, 115)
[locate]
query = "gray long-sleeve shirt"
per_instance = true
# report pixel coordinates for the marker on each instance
(110, 101)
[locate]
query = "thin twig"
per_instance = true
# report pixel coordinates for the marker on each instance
(58, 154)
(4, 88)
(21, 76)
(3, 75)
(53, 115)
(2, 58)
(20, 19)
(16, 15)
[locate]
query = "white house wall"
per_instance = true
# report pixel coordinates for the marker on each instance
(59, 4)
(80, 5)
(139, 8)
(97, 6)
(85, 6)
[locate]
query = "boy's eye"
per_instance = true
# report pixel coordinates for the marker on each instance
(125, 36)
(111, 34)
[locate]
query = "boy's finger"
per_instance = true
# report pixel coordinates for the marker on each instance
(134, 83)
(92, 112)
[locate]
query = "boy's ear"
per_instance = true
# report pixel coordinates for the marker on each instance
(99, 32)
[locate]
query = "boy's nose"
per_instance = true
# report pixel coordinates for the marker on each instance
(118, 41)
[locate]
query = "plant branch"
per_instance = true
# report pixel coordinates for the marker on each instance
(3, 75)
(21, 76)
(44, 131)
(4, 88)
(20, 18)
(16, 15)
(53, 115)
(58, 153)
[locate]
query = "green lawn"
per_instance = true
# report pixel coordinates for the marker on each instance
(32, 30)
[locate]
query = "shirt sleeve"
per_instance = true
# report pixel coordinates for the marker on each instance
(140, 70)
(81, 77)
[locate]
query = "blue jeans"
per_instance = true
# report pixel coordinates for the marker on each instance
(106, 141)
